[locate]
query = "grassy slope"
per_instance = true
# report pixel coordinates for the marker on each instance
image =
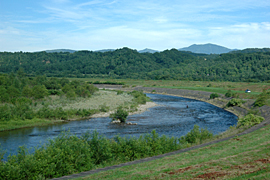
(242, 157)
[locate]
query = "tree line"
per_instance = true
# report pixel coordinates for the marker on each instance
(20, 95)
(252, 65)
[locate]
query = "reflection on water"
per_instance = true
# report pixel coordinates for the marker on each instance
(171, 118)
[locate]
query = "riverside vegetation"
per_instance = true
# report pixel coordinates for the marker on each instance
(30, 101)
(68, 153)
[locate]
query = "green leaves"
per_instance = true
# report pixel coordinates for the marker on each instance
(214, 95)
(250, 120)
(69, 154)
(120, 114)
(235, 102)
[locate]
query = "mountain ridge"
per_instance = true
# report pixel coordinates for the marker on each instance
(207, 49)
(194, 48)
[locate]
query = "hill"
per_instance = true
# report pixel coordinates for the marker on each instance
(206, 49)
(60, 50)
(148, 51)
(105, 50)
(128, 63)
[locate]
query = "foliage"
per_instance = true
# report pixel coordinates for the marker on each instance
(261, 100)
(69, 154)
(214, 95)
(248, 66)
(120, 114)
(19, 96)
(250, 120)
(229, 93)
(139, 97)
(39, 92)
(197, 135)
(235, 102)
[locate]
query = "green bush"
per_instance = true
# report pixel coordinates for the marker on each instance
(214, 95)
(139, 97)
(197, 135)
(235, 102)
(262, 99)
(71, 94)
(120, 114)
(69, 154)
(250, 120)
(229, 93)
(39, 91)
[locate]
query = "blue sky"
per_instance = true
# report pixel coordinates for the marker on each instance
(32, 25)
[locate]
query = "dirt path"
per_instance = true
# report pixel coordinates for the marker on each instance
(200, 95)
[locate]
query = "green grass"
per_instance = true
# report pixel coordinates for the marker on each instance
(100, 99)
(13, 124)
(109, 98)
(218, 87)
(242, 157)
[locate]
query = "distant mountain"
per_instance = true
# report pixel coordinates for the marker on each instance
(148, 51)
(60, 50)
(206, 49)
(105, 50)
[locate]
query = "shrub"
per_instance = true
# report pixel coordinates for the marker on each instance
(120, 114)
(229, 93)
(39, 91)
(235, 102)
(250, 120)
(139, 97)
(261, 100)
(214, 95)
(71, 94)
(69, 154)
(197, 135)
(27, 92)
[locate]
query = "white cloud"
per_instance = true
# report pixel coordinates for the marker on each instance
(242, 35)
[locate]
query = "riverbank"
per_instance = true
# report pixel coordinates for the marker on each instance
(220, 102)
(99, 102)
(140, 109)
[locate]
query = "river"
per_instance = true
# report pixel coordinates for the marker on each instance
(172, 118)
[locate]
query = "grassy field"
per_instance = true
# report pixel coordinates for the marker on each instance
(102, 97)
(219, 87)
(110, 99)
(244, 157)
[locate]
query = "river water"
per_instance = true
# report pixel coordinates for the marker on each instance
(171, 118)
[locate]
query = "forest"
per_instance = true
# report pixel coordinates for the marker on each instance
(249, 65)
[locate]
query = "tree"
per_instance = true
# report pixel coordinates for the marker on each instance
(27, 91)
(120, 114)
(39, 91)
(13, 92)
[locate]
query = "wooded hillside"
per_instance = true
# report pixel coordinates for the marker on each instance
(248, 65)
